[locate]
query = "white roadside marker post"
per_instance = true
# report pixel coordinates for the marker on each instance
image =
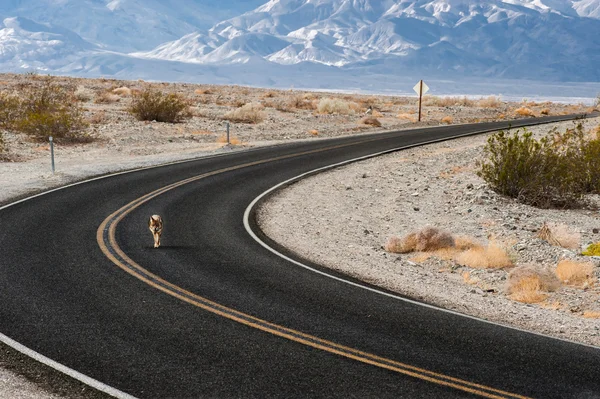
(52, 152)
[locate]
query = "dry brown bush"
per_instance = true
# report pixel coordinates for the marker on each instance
(578, 274)
(370, 120)
(545, 111)
(313, 132)
(524, 111)
(122, 91)
(300, 101)
(335, 106)
(203, 91)
(434, 101)
(560, 235)
(104, 97)
(249, 113)
(529, 284)
(491, 257)
(84, 94)
(97, 118)
(489, 102)
(425, 240)
(232, 140)
(591, 314)
(405, 116)
(447, 119)
(270, 94)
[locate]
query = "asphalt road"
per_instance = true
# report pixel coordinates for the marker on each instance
(214, 314)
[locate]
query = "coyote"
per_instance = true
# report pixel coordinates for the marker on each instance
(155, 224)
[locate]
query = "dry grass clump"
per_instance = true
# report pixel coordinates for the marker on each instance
(578, 274)
(249, 113)
(335, 106)
(122, 91)
(105, 97)
(232, 140)
(560, 235)
(590, 314)
(270, 94)
(299, 101)
(545, 111)
(405, 116)
(97, 118)
(491, 257)
(524, 111)
(84, 94)
(447, 101)
(203, 91)
(529, 284)
(370, 120)
(424, 240)
(447, 119)
(313, 132)
(489, 102)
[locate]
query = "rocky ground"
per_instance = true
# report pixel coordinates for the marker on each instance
(352, 211)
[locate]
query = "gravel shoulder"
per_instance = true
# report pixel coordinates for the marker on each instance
(343, 218)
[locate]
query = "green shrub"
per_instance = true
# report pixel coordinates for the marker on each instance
(592, 250)
(551, 172)
(43, 111)
(151, 105)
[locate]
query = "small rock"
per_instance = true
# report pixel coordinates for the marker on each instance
(416, 209)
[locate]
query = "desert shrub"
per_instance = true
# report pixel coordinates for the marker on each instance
(545, 111)
(370, 120)
(249, 113)
(489, 102)
(334, 106)
(447, 119)
(46, 110)
(478, 257)
(447, 101)
(592, 250)
(2, 143)
(154, 105)
(590, 314)
(575, 273)
(529, 284)
(597, 100)
(427, 239)
(405, 116)
(524, 111)
(122, 91)
(559, 235)
(544, 173)
(105, 97)
(83, 94)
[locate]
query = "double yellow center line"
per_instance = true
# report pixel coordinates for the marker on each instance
(105, 237)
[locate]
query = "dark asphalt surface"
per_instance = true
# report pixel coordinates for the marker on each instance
(62, 297)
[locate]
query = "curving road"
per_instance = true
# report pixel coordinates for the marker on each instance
(214, 314)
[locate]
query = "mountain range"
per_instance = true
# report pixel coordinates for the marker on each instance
(329, 44)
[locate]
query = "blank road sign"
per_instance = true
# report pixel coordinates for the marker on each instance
(417, 88)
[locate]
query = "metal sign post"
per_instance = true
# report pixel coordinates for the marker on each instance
(420, 88)
(227, 132)
(52, 152)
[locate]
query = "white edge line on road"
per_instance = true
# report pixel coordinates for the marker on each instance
(364, 287)
(64, 369)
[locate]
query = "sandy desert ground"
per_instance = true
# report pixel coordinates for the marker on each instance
(411, 187)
